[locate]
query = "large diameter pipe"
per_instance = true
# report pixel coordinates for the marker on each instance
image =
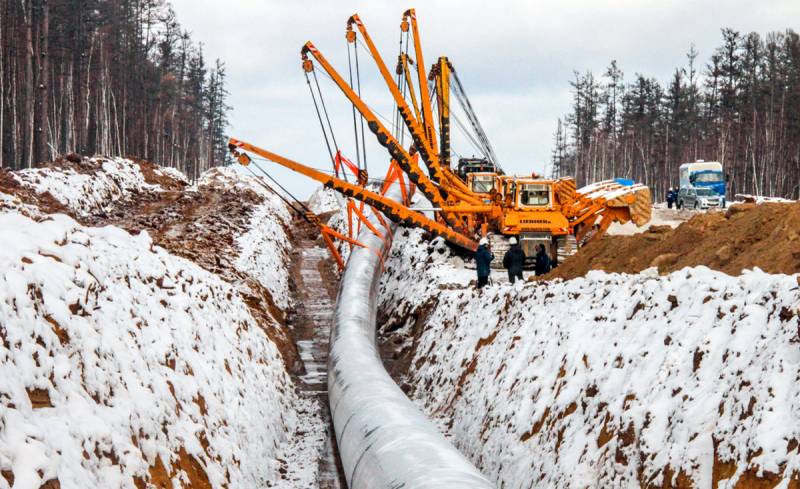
(384, 441)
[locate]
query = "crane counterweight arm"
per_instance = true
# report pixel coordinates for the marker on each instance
(395, 211)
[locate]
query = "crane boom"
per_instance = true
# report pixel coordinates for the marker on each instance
(424, 94)
(441, 72)
(402, 66)
(395, 211)
(422, 144)
(434, 193)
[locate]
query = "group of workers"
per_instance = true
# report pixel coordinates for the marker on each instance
(513, 261)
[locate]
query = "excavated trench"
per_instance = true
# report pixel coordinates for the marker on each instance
(310, 324)
(200, 225)
(745, 237)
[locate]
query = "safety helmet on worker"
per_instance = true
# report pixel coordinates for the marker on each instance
(483, 242)
(512, 241)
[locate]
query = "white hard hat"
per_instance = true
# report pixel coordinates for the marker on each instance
(483, 241)
(512, 240)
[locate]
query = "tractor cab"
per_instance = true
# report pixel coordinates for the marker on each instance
(534, 195)
(527, 193)
(483, 183)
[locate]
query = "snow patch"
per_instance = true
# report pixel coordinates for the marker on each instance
(106, 181)
(610, 380)
(114, 353)
(325, 200)
(264, 250)
(171, 172)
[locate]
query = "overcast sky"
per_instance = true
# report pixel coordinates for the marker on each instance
(514, 58)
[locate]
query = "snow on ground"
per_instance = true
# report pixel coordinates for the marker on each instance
(173, 173)
(264, 249)
(758, 199)
(116, 354)
(325, 200)
(104, 181)
(122, 363)
(610, 380)
(12, 203)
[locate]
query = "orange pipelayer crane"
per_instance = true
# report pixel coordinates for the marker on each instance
(468, 204)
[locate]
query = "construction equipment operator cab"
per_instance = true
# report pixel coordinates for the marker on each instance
(482, 183)
(534, 195)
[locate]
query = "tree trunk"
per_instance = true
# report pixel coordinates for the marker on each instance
(30, 91)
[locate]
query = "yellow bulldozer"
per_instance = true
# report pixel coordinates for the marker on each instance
(476, 199)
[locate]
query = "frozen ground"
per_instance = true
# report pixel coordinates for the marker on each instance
(123, 363)
(118, 352)
(611, 380)
(91, 187)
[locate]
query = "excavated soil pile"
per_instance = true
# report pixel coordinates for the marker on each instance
(199, 224)
(766, 236)
(44, 201)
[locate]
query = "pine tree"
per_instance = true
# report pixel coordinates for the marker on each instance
(118, 77)
(741, 110)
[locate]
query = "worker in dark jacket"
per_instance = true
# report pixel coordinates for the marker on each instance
(513, 260)
(542, 261)
(672, 198)
(483, 260)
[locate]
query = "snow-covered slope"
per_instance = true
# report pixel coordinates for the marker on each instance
(327, 201)
(264, 249)
(612, 380)
(117, 356)
(122, 364)
(101, 182)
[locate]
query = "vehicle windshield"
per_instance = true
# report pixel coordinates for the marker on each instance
(711, 177)
(534, 194)
(482, 184)
(705, 192)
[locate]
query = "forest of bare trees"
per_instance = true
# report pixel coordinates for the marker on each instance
(742, 108)
(110, 77)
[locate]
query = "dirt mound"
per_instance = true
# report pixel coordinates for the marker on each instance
(156, 175)
(44, 201)
(74, 162)
(196, 223)
(201, 225)
(766, 236)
